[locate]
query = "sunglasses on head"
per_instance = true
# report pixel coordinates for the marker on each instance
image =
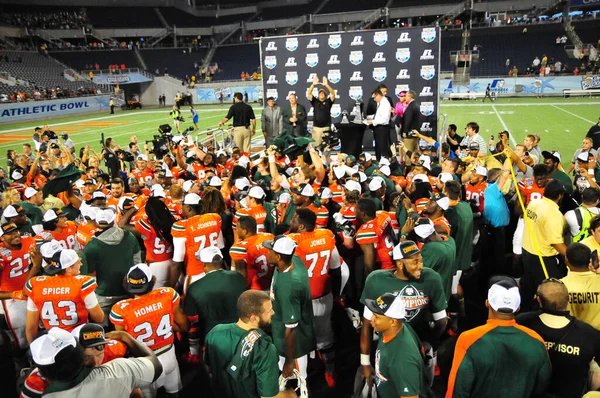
(552, 280)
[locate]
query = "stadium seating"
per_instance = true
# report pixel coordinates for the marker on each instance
(588, 31)
(335, 6)
(79, 60)
(234, 59)
(38, 70)
(267, 14)
(178, 60)
(44, 17)
(182, 19)
(121, 17)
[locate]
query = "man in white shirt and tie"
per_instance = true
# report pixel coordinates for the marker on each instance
(380, 124)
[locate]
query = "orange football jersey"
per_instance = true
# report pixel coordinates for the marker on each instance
(474, 194)
(148, 318)
(60, 299)
(322, 214)
(157, 249)
(258, 213)
(315, 249)
(251, 250)
(378, 232)
(193, 234)
(67, 237)
(336, 190)
(15, 266)
(143, 176)
(530, 189)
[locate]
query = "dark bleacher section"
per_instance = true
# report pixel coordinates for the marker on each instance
(498, 44)
(588, 31)
(229, 19)
(178, 63)
(175, 16)
(40, 71)
(123, 17)
(285, 12)
(43, 17)
(412, 3)
(79, 60)
(335, 6)
(233, 60)
(451, 40)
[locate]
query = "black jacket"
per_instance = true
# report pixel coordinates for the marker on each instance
(412, 118)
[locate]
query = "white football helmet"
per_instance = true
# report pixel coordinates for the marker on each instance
(301, 389)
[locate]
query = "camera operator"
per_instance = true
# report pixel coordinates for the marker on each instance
(111, 159)
(176, 115)
(411, 121)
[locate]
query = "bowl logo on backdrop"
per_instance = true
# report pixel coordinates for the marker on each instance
(356, 57)
(427, 72)
(312, 60)
(403, 54)
(272, 92)
(380, 38)
(355, 92)
(428, 34)
(270, 61)
(291, 78)
(379, 74)
(336, 110)
(334, 41)
(334, 76)
(426, 108)
(400, 88)
(291, 44)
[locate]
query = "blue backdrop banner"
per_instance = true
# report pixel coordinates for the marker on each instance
(34, 110)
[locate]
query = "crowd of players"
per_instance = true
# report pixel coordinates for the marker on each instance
(241, 260)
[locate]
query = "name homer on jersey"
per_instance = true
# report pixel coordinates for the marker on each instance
(148, 309)
(56, 290)
(318, 242)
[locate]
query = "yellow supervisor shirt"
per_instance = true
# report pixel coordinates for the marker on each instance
(584, 296)
(547, 223)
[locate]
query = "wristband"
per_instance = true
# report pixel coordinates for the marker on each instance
(271, 158)
(365, 359)
(591, 172)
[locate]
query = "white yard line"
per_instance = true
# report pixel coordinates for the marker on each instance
(573, 114)
(467, 103)
(512, 139)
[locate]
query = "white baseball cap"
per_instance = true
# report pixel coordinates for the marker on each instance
(79, 184)
(390, 305)
(376, 183)
(190, 154)
(385, 170)
(14, 211)
(582, 157)
(90, 211)
(49, 215)
(215, 182)
(405, 249)
(177, 138)
(442, 200)
(424, 228)
(420, 177)
(445, 177)
(105, 216)
(49, 249)
(482, 171)
(221, 152)
(98, 195)
(384, 161)
(504, 296)
(425, 161)
(304, 190)
(284, 198)
(141, 156)
(282, 245)
(121, 204)
(60, 260)
(29, 192)
(339, 172)
(45, 348)
(208, 254)
(352, 185)
(257, 192)
(191, 199)
(187, 185)
(365, 155)
(242, 183)
(326, 194)
(244, 161)
(362, 177)
(16, 175)
(158, 191)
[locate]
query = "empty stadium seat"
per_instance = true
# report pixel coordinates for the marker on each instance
(179, 61)
(234, 59)
(79, 59)
(120, 17)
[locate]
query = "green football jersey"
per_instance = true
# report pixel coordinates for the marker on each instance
(292, 304)
(441, 257)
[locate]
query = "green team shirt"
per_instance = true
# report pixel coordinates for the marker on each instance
(460, 218)
(292, 303)
(423, 297)
(371, 169)
(399, 367)
(34, 213)
(440, 257)
(26, 229)
(243, 363)
(564, 178)
(213, 299)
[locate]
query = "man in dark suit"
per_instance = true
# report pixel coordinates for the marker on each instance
(411, 121)
(294, 117)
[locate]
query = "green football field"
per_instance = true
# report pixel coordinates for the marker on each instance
(562, 123)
